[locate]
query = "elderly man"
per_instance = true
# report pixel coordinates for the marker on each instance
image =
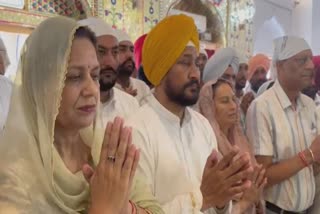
(125, 82)
(114, 101)
(283, 128)
(224, 63)
(5, 85)
(259, 66)
(178, 156)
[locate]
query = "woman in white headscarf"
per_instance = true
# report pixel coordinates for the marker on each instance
(224, 63)
(219, 105)
(55, 158)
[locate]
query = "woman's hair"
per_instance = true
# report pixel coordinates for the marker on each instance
(86, 33)
(219, 82)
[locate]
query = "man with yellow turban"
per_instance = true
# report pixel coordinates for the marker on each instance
(177, 144)
(259, 66)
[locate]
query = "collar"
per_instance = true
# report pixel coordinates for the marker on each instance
(112, 99)
(164, 112)
(283, 97)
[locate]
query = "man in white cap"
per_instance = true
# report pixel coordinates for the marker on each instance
(125, 82)
(114, 101)
(5, 85)
(283, 128)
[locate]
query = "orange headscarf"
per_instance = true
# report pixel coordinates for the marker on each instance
(259, 60)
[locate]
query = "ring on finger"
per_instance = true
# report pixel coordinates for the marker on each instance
(111, 158)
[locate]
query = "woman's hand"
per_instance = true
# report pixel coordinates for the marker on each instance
(253, 195)
(111, 181)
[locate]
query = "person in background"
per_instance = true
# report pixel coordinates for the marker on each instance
(202, 61)
(114, 101)
(259, 66)
(226, 62)
(178, 146)
(283, 128)
(138, 45)
(125, 82)
(55, 156)
(5, 85)
(244, 99)
(241, 80)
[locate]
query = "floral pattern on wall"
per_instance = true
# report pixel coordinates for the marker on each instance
(240, 32)
(135, 17)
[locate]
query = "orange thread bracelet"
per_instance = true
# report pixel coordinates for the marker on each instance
(303, 159)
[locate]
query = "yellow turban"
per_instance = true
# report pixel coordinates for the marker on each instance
(165, 44)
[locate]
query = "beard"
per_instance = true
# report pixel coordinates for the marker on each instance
(123, 70)
(180, 96)
(255, 87)
(239, 86)
(109, 84)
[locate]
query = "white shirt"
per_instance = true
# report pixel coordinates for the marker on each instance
(173, 156)
(142, 88)
(317, 100)
(5, 97)
(275, 129)
(120, 104)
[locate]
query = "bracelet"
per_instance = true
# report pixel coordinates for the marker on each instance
(303, 159)
(312, 155)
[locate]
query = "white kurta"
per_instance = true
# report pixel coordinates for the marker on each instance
(120, 104)
(5, 96)
(173, 156)
(142, 88)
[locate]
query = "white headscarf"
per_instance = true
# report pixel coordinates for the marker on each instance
(4, 54)
(122, 36)
(286, 47)
(98, 26)
(219, 63)
(204, 52)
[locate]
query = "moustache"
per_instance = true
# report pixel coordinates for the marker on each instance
(129, 60)
(191, 83)
(107, 69)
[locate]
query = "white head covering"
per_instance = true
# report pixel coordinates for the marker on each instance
(264, 87)
(4, 54)
(203, 51)
(243, 59)
(98, 26)
(122, 36)
(286, 47)
(219, 63)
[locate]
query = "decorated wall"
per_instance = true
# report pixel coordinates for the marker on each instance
(136, 17)
(133, 16)
(240, 26)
